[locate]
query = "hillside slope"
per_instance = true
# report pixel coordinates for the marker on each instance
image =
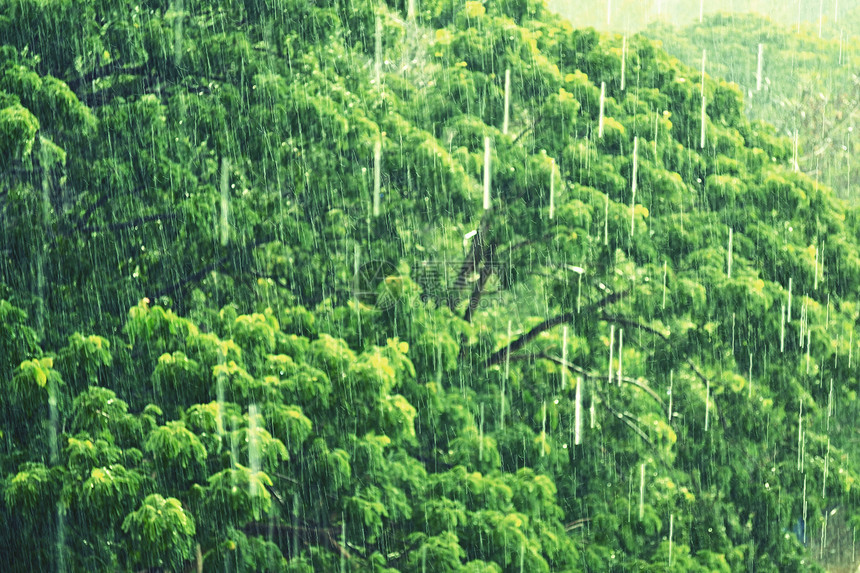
(285, 288)
(808, 84)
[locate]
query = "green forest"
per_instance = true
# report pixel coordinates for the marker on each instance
(413, 286)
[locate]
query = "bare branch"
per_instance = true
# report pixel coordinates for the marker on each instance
(472, 261)
(499, 355)
(597, 376)
(329, 537)
(103, 72)
(633, 324)
(576, 524)
(198, 276)
(624, 417)
(688, 361)
(478, 290)
(132, 223)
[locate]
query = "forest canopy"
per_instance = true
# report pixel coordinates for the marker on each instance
(408, 286)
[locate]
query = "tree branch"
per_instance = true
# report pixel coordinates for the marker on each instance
(478, 290)
(197, 276)
(499, 355)
(91, 211)
(597, 376)
(471, 262)
(132, 223)
(624, 417)
(306, 533)
(576, 524)
(522, 133)
(104, 72)
(688, 361)
(633, 324)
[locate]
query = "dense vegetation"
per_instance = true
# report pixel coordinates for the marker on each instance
(223, 350)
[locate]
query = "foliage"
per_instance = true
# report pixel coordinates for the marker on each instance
(215, 355)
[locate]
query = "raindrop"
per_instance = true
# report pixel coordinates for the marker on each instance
(671, 383)
(606, 222)
(234, 455)
(577, 423)
(355, 284)
(729, 258)
(671, 533)
(799, 435)
(296, 523)
(733, 334)
(177, 33)
(506, 121)
(253, 447)
(377, 66)
(219, 396)
(804, 509)
(564, 358)
(611, 349)
(481, 436)
(343, 541)
(641, 491)
(664, 285)
(815, 287)
(620, 350)
(782, 329)
(377, 175)
(623, 61)
(633, 184)
(225, 200)
(61, 510)
(826, 466)
(543, 430)
(656, 130)
(505, 379)
(702, 138)
(789, 299)
(758, 74)
(796, 145)
(551, 188)
(578, 292)
(798, 16)
(820, 25)
(824, 528)
(592, 412)
(602, 105)
(750, 377)
(486, 173)
(707, 403)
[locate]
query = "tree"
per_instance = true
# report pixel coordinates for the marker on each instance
(300, 384)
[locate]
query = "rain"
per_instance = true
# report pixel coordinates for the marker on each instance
(423, 285)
